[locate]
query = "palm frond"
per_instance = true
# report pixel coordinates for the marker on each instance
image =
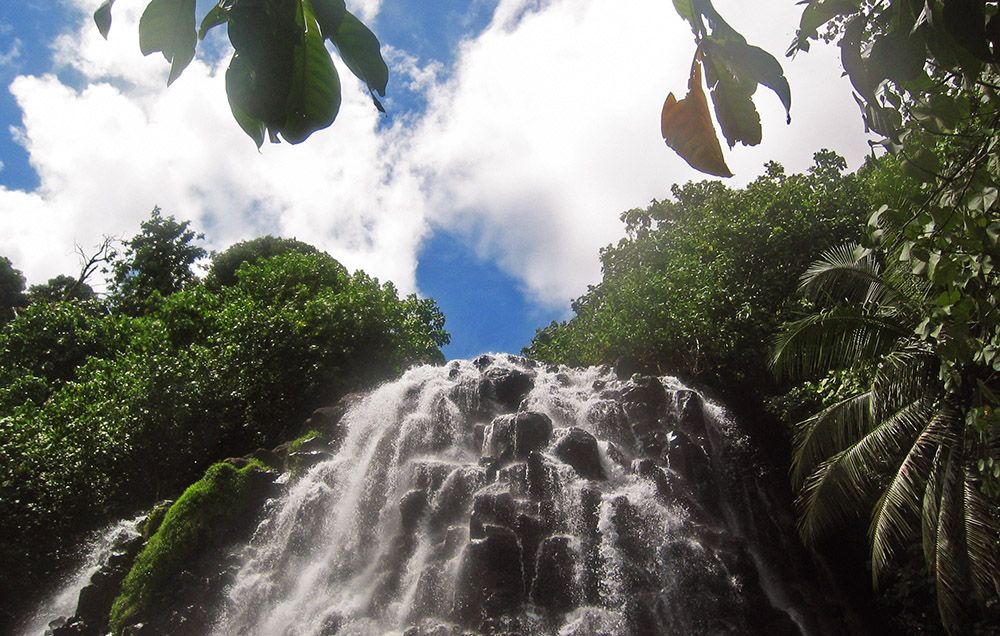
(897, 510)
(827, 432)
(843, 483)
(951, 566)
(838, 338)
(929, 511)
(847, 273)
(981, 533)
(902, 374)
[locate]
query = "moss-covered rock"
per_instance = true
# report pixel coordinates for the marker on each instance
(297, 443)
(155, 518)
(203, 518)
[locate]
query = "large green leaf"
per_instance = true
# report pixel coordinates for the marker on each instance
(731, 96)
(169, 26)
(240, 90)
(760, 66)
(314, 99)
(329, 14)
(218, 15)
(265, 34)
(360, 50)
(965, 20)
(816, 14)
(102, 17)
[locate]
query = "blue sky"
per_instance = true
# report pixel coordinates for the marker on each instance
(518, 131)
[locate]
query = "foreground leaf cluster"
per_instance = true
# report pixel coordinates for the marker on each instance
(281, 80)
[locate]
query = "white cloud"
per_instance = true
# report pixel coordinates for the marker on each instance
(549, 128)
(108, 152)
(12, 54)
(545, 131)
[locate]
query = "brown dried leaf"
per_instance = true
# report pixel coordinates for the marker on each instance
(686, 126)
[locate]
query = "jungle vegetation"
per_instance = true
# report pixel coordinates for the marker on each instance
(110, 402)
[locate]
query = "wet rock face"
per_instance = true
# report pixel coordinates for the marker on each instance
(578, 448)
(498, 497)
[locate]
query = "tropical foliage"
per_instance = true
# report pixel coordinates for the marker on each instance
(701, 282)
(925, 74)
(898, 443)
(108, 405)
(281, 79)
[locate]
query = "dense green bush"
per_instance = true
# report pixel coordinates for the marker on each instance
(701, 282)
(105, 409)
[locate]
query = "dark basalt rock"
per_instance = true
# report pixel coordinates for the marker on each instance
(491, 508)
(578, 448)
(688, 459)
(327, 420)
(483, 362)
(532, 432)
(511, 437)
(509, 386)
(412, 507)
(554, 586)
(490, 580)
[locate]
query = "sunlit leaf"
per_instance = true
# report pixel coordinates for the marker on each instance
(686, 126)
(314, 99)
(239, 89)
(329, 14)
(731, 96)
(169, 26)
(103, 17)
(360, 50)
(217, 16)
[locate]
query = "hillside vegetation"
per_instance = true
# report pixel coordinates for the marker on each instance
(108, 404)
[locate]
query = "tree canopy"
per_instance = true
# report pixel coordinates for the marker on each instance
(105, 408)
(701, 282)
(12, 296)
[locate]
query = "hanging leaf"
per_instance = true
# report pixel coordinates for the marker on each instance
(314, 99)
(899, 56)
(217, 16)
(965, 20)
(169, 26)
(240, 90)
(103, 17)
(361, 52)
(686, 9)
(686, 126)
(265, 34)
(731, 96)
(815, 15)
(329, 14)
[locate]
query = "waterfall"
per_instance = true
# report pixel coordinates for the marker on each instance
(503, 496)
(101, 551)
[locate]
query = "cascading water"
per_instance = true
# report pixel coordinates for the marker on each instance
(500, 496)
(104, 554)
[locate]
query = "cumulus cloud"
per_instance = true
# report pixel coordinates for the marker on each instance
(109, 148)
(544, 129)
(548, 128)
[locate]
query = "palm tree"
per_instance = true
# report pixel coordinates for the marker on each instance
(899, 443)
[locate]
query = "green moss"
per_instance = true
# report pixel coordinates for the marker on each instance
(302, 439)
(195, 521)
(155, 518)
